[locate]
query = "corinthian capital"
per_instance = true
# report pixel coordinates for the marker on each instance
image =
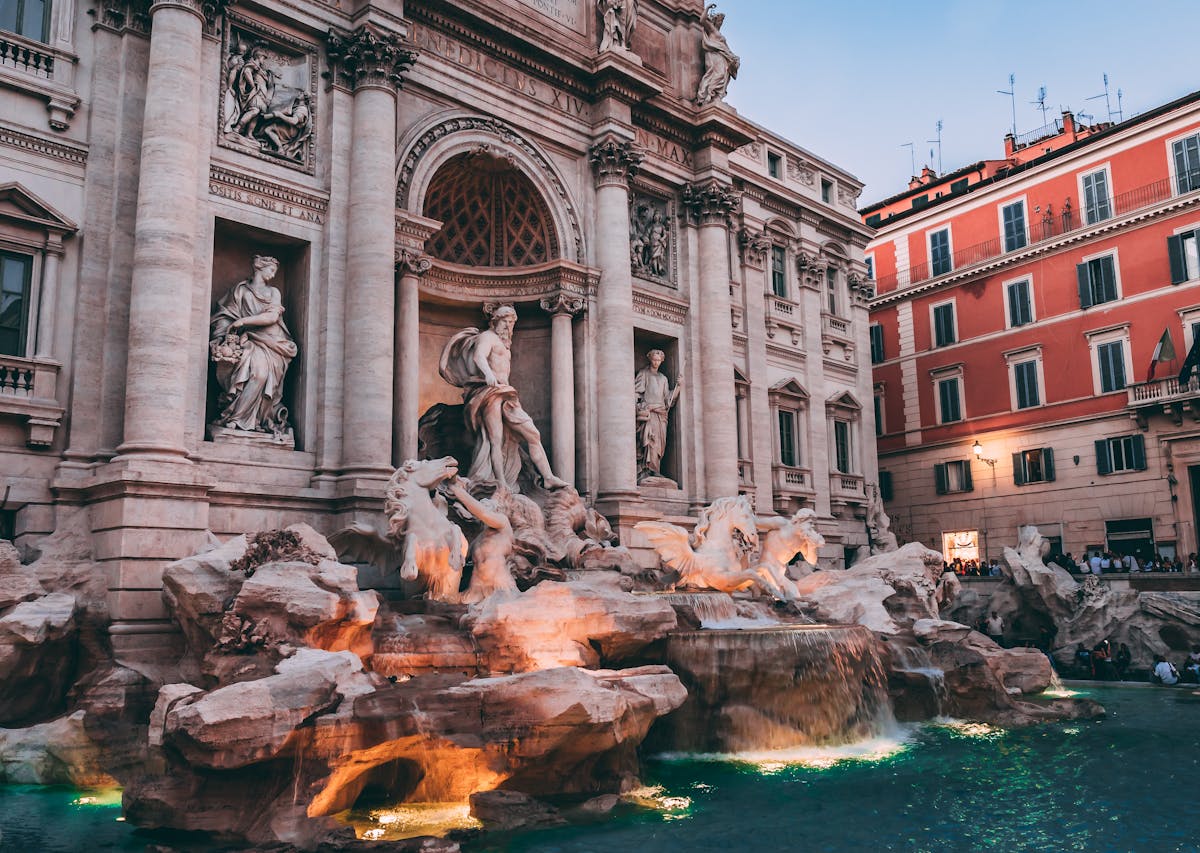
(710, 202)
(563, 302)
(369, 57)
(615, 161)
(207, 10)
(409, 262)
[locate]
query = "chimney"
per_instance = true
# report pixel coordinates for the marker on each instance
(1010, 146)
(1069, 126)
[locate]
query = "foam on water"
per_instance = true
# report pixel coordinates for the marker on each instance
(895, 740)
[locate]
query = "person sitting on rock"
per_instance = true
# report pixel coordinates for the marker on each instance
(1191, 666)
(1102, 663)
(1083, 660)
(1165, 672)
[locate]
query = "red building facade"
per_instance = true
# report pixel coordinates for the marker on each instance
(1019, 303)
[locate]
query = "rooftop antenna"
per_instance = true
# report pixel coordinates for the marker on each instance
(1107, 103)
(939, 145)
(912, 155)
(1040, 103)
(1120, 110)
(1012, 93)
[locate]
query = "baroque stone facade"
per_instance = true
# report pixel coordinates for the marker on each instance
(404, 165)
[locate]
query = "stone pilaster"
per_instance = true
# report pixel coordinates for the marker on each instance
(370, 62)
(711, 203)
(160, 304)
(411, 266)
(562, 307)
(615, 160)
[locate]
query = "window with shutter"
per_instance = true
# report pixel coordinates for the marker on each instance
(1096, 204)
(1020, 306)
(1184, 257)
(1187, 164)
(1026, 380)
(953, 477)
(877, 354)
(939, 252)
(948, 399)
(1097, 281)
(1014, 226)
(939, 478)
(1111, 359)
(1019, 468)
(885, 485)
(944, 332)
(1103, 457)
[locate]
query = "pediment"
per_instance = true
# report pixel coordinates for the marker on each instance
(789, 387)
(844, 400)
(19, 204)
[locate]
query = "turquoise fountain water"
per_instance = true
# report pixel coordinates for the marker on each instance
(1127, 782)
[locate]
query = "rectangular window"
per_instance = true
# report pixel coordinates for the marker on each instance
(1096, 203)
(1123, 453)
(920, 201)
(1187, 164)
(1111, 359)
(870, 268)
(939, 252)
(943, 325)
(876, 343)
(1184, 257)
(1020, 306)
(787, 439)
(28, 18)
(779, 271)
(774, 165)
(831, 285)
(950, 477)
(885, 485)
(949, 400)
(1025, 375)
(15, 275)
(841, 442)
(959, 186)
(826, 191)
(1097, 281)
(874, 219)
(1033, 466)
(1014, 226)
(878, 414)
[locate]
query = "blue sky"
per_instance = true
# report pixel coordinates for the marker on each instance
(853, 81)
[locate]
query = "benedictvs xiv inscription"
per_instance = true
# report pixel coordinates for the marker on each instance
(479, 63)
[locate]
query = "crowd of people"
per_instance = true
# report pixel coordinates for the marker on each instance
(1102, 662)
(1098, 563)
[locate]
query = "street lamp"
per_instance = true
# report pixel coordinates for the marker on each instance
(977, 449)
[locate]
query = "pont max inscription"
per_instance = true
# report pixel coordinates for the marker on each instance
(569, 13)
(483, 65)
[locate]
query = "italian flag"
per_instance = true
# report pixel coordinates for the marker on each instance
(1164, 350)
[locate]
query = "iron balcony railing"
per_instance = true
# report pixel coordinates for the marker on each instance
(1049, 227)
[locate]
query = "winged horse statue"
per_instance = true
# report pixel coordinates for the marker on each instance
(715, 555)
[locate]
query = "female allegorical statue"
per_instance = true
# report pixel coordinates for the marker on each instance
(655, 397)
(251, 348)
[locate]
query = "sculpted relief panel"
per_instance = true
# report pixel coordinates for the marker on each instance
(651, 248)
(268, 94)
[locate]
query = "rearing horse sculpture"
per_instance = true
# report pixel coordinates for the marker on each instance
(713, 557)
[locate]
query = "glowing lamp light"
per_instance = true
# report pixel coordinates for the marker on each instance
(977, 449)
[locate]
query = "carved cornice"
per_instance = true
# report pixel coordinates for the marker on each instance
(711, 202)
(472, 285)
(413, 263)
(253, 190)
(615, 161)
(563, 302)
(369, 58)
(655, 305)
(59, 151)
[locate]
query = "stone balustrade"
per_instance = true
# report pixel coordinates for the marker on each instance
(26, 55)
(28, 389)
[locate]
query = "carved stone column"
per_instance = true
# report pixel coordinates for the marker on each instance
(615, 161)
(164, 255)
(411, 266)
(48, 304)
(711, 203)
(562, 308)
(370, 63)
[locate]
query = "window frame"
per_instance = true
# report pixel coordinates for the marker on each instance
(1101, 337)
(828, 190)
(26, 319)
(1173, 172)
(1008, 312)
(943, 374)
(789, 396)
(1020, 357)
(941, 477)
(933, 323)
(833, 291)
(1000, 209)
(790, 415)
(779, 280)
(774, 165)
(1177, 255)
(1116, 267)
(1021, 466)
(929, 233)
(879, 396)
(877, 344)
(847, 427)
(1080, 180)
(1104, 455)
(44, 38)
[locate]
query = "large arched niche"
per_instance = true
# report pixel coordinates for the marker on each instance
(447, 137)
